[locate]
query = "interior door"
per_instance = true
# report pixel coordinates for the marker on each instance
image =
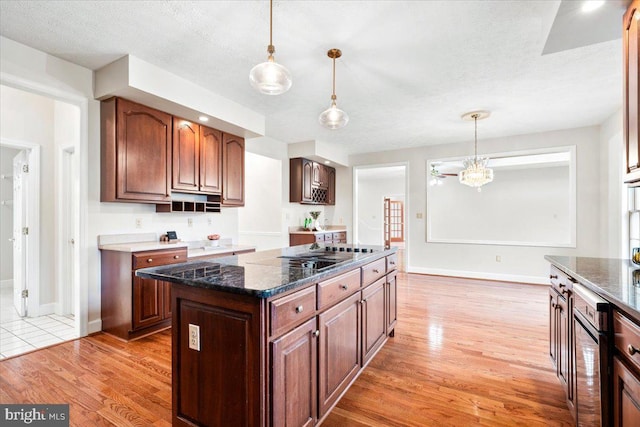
(387, 223)
(396, 220)
(20, 231)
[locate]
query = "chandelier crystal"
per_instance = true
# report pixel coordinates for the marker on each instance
(476, 173)
(333, 117)
(270, 77)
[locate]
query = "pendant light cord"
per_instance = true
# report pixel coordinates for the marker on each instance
(334, 79)
(271, 22)
(475, 149)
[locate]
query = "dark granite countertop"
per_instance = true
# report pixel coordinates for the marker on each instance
(263, 274)
(616, 280)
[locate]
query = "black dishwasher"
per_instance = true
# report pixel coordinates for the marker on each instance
(591, 321)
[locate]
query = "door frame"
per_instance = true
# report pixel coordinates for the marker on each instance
(406, 199)
(81, 297)
(33, 221)
(67, 228)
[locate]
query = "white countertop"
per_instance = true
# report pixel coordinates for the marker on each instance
(329, 229)
(219, 250)
(142, 246)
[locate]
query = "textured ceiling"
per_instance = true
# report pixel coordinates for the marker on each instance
(409, 68)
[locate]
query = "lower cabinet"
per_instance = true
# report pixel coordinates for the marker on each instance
(626, 395)
(391, 293)
(339, 350)
(374, 322)
(132, 306)
(294, 365)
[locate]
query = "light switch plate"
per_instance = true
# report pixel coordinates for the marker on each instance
(194, 337)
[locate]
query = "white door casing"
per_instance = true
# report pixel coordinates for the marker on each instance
(20, 238)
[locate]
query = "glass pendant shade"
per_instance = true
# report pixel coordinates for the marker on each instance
(333, 117)
(270, 77)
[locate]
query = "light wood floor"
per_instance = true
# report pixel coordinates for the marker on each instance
(465, 353)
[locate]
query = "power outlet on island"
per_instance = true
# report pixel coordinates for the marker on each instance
(194, 337)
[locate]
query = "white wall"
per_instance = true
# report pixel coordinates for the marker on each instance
(6, 215)
(473, 260)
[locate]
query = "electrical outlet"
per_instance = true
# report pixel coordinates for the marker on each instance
(138, 222)
(194, 337)
(498, 258)
(419, 215)
(209, 221)
(190, 222)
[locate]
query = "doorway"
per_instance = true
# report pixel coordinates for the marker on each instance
(43, 312)
(380, 206)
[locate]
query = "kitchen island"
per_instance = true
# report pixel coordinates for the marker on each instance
(613, 354)
(275, 337)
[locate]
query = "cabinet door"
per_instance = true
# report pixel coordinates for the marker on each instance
(143, 153)
(340, 350)
(210, 160)
(373, 319)
(631, 46)
(293, 375)
(232, 170)
(391, 302)
(147, 302)
(307, 180)
(166, 300)
(186, 156)
(331, 190)
(626, 395)
(553, 327)
(565, 348)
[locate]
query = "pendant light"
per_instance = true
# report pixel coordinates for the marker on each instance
(476, 173)
(270, 77)
(333, 117)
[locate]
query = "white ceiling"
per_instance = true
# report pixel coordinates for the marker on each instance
(409, 69)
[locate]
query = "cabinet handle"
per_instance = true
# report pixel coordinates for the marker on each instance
(344, 287)
(392, 262)
(363, 301)
(299, 309)
(375, 270)
(553, 276)
(632, 350)
(561, 285)
(176, 257)
(149, 259)
(554, 305)
(316, 334)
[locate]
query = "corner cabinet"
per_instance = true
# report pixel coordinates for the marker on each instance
(626, 371)
(131, 132)
(133, 306)
(232, 170)
(311, 183)
(294, 354)
(631, 113)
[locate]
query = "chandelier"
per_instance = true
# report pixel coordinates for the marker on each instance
(333, 117)
(476, 173)
(270, 77)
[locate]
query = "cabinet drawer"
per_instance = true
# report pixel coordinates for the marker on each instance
(336, 289)
(321, 238)
(156, 258)
(392, 262)
(627, 338)
(340, 236)
(286, 312)
(373, 271)
(559, 280)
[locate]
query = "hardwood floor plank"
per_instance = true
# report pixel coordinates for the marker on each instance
(465, 353)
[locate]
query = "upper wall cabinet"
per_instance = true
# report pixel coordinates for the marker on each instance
(311, 182)
(232, 170)
(135, 160)
(631, 46)
(197, 157)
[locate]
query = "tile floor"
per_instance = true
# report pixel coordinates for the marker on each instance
(19, 335)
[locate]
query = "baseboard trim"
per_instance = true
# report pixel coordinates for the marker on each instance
(94, 326)
(480, 275)
(45, 309)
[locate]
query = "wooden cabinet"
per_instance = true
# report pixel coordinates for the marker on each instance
(340, 350)
(311, 182)
(626, 371)
(135, 162)
(631, 113)
(133, 306)
(197, 158)
(232, 170)
(294, 370)
(374, 321)
(391, 295)
(324, 238)
(561, 340)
